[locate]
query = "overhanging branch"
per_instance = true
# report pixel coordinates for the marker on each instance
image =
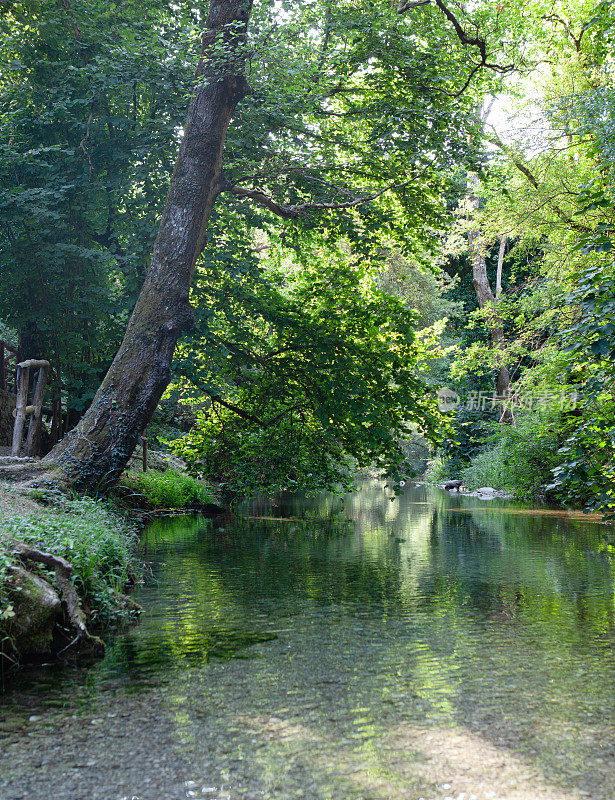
(466, 39)
(250, 417)
(293, 211)
(533, 181)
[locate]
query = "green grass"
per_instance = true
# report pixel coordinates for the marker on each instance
(99, 544)
(488, 468)
(436, 471)
(170, 489)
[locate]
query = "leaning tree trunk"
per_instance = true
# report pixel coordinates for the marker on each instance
(96, 451)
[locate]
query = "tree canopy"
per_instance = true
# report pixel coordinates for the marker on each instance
(367, 163)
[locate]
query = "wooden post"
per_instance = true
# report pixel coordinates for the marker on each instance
(23, 381)
(144, 443)
(34, 429)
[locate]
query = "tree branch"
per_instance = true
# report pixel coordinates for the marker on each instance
(297, 210)
(411, 4)
(533, 180)
(464, 38)
(250, 417)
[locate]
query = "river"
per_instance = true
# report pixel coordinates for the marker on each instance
(434, 647)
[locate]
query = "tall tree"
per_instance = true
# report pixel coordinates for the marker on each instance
(97, 449)
(486, 298)
(371, 104)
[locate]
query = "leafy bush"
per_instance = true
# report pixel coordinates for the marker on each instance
(245, 458)
(170, 489)
(98, 543)
(523, 458)
(531, 455)
(436, 470)
(488, 468)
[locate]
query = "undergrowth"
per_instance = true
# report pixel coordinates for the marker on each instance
(99, 544)
(489, 468)
(170, 489)
(522, 459)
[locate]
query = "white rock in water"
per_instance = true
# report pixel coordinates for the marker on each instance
(486, 490)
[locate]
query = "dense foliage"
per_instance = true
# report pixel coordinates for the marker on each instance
(549, 190)
(88, 119)
(168, 489)
(363, 179)
(308, 373)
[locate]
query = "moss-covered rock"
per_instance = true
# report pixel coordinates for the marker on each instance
(36, 606)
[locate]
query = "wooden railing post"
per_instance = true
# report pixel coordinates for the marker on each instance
(34, 429)
(23, 381)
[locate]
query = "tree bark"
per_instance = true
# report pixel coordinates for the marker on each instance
(501, 254)
(485, 296)
(94, 453)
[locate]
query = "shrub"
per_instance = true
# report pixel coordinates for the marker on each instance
(245, 458)
(488, 468)
(523, 458)
(436, 470)
(170, 489)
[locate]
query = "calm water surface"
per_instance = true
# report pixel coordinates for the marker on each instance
(436, 648)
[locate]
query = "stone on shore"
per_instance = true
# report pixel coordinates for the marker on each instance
(36, 605)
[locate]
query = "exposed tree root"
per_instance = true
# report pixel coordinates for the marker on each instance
(86, 643)
(31, 472)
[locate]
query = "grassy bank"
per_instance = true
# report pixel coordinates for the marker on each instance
(95, 537)
(171, 489)
(98, 542)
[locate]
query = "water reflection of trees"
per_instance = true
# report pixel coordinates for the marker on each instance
(492, 621)
(404, 556)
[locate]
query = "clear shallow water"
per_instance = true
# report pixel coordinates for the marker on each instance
(437, 648)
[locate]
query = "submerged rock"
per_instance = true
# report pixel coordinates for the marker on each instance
(488, 493)
(453, 486)
(36, 605)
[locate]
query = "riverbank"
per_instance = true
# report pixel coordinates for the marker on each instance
(65, 564)
(535, 509)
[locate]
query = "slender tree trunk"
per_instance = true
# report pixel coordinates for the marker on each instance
(485, 296)
(501, 254)
(96, 451)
